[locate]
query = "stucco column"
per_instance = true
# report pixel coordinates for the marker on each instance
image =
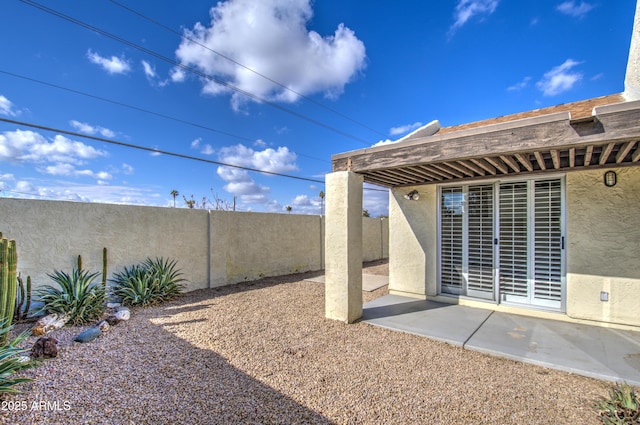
(343, 247)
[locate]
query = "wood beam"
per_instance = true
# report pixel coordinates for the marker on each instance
(472, 167)
(624, 151)
(497, 162)
(636, 155)
(604, 156)
(540, 160)
(511, 163)
(484, 165)
(572, 157)
(460, 168)
(438, 172)
(445, 169)
(524, 160)
(587, 155)
(427, 172)
(555, 157)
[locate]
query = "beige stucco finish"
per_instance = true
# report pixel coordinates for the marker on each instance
(343, 263)
(603, 235)
(413, 242)
(212, 248)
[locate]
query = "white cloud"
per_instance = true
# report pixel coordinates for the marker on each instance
(467, 9)
(395, 131)
(149, 70)
(279, 160)
(270, 37)
(64, 169)
(127, 169)
(7, 176)
(196, 143)
(521, 85)
(29, 146)
(85, 128)
(7, 107)
(113, 65)
(560, 79)
(207, 150)
(571, 8)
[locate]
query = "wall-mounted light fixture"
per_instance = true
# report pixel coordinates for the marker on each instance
(412, 196)
(610, 178)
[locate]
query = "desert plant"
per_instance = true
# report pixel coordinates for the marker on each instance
(78, 295)
(8, 283)
(23, 299)
(10, 362)
(151, 282)
(621, 408)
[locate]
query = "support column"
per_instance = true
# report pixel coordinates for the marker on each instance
(343, 246)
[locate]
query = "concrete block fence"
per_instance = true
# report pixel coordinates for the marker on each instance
(213, 248)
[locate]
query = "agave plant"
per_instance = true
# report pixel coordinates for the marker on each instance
(78, 295)
(151, 282)
(11, 363)
(622, 407)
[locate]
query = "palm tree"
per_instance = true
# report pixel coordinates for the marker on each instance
(322, 203)
(174, 193)
(288, 208)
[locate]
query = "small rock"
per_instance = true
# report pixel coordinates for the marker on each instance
(88, 335)
(123, 314)
(45, 347)
(112, 320)
(103, 326)
(50, 323)
(113, 305)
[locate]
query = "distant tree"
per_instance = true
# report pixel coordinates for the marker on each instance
(191, 203)
(288, 208)
(174, 193)
(322, 203)
(365, 213)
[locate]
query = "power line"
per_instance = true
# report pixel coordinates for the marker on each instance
(181, 35)
(137, 108)
(192, 70)
(156, 151)
(168, 153)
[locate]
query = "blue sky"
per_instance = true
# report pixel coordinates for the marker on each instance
(300, 81)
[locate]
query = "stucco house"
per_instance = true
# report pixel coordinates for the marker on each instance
(536, 213)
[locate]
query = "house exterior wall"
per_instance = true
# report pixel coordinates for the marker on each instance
(603, 236)
(213, 248)
(413, 242)
(603, 249)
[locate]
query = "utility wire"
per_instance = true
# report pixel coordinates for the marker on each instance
(154, 150)
(163, 152)
(191, 70)
(222, 55)
(137, 108)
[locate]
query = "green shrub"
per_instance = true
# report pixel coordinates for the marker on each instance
(10, 363)
(621, 408)
(77, 295)
(152, 282)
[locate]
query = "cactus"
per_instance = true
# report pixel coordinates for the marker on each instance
(79, 262)
(23, 299)
(104, 267)
(8, 284)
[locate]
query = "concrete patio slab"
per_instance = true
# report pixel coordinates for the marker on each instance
(602, 353)
(449, 323)
(370, 282)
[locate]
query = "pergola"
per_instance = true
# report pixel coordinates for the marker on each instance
(602, 132)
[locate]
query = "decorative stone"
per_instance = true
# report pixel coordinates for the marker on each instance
(123, 314)
(113, 305)
(45, 347)
(103, 325)
(88, 335)
(112, 320)
(50, 323)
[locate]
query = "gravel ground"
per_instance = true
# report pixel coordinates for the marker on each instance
(262, 352)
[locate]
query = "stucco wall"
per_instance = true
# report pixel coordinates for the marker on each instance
(375, 238)
(603, 235)
(213, 248)
(413, 242)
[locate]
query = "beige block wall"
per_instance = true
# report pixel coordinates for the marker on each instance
(213, 248)
(413, 239)
(51, 234)
(375, 238)
(603, 236)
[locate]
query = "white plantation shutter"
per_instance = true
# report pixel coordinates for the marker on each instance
(548, 242)
(480, 241)
(451, 239)
(513, 241)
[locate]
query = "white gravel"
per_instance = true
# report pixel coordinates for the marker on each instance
(262, 352)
